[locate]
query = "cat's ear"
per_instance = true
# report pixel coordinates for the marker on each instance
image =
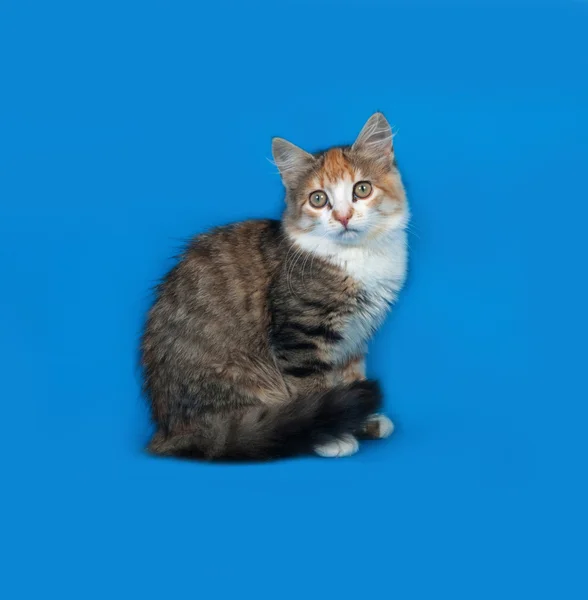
(291, 160)
(375, 139)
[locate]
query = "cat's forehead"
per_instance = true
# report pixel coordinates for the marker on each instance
(335, 166)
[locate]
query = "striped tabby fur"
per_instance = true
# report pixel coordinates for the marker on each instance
(254, 348)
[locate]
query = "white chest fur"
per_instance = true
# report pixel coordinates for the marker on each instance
(380, 271)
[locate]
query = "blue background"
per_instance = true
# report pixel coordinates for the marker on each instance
(113, 114)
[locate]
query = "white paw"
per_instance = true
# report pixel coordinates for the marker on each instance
(384, 428)
(346, 445)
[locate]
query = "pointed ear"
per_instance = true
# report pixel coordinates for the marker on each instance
(291, 160)
(375, 139)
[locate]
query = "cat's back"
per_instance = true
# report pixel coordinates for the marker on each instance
(244, 245)
(222, 278)
(207, 333)
(240, 257)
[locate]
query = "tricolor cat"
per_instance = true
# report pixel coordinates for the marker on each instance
(255, 346)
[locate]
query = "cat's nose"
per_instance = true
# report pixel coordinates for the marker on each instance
(342, 218)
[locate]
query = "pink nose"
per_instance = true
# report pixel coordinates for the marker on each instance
(343, 219)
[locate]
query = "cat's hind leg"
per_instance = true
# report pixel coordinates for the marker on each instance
(182, 445)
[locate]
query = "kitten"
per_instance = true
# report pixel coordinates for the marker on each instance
(254, 348)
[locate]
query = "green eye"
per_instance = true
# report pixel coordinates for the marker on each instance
(362, 189)
(318, 199)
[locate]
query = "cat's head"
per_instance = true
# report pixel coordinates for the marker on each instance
(349, 195)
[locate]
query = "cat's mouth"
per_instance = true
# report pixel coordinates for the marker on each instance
(349, 234)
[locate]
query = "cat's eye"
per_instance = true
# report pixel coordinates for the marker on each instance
(318, 199)
(362, 189)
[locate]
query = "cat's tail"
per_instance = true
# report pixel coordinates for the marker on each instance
(282, 431)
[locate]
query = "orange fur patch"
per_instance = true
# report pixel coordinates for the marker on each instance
(353, 371)
(335, 166)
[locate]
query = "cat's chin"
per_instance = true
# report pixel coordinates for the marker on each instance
(349, 236)
(369, 237)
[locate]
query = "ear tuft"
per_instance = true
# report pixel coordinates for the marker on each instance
(375, 139)
(291, 160)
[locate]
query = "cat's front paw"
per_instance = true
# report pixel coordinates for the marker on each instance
(346, 445)
(377, 427)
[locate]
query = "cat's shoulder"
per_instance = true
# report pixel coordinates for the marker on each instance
(240, 242)
(233, 232)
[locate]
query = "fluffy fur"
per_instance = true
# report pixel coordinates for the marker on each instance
(254, 348)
